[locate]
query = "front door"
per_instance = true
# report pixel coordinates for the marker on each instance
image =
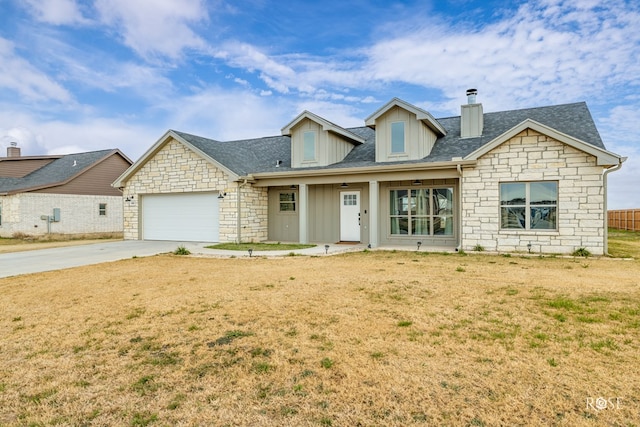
(350, 216)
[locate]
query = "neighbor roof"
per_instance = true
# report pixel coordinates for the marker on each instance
(260, 155)
(59, 171)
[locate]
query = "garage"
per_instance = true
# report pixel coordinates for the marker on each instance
(188, 217)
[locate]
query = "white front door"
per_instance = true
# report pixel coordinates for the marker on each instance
(350, 216)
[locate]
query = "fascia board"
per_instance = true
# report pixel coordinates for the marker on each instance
(603, 157)
(326, 126)
(155, 148)
(366, 169)
(421, 115)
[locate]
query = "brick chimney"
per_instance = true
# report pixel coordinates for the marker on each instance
(472, 117)
(13, 150)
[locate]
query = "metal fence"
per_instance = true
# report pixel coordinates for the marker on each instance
(626, 219)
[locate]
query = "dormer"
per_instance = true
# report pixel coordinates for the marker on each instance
(403, 131)
(318, 142)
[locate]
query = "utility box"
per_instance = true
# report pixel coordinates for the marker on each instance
(56, 215)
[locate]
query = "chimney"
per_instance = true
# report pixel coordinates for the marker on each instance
(13, 150)
(472, 117)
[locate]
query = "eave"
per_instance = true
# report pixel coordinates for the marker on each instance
(326, 126)
(155, 148)
(604, 157)
(422, 115)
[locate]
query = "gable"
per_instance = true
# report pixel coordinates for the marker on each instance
(401, 136)
(318, 142)
(604, 158)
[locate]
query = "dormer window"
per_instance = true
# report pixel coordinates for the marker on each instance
(397, 138)
(309, 146)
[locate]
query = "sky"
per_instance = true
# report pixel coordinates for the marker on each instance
(80, 75)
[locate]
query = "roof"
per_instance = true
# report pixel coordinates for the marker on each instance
(571, 123)
(326, 125)
(60, 170)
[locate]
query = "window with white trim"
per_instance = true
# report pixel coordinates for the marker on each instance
(421, 212)
(309, 146)
(102, 209)
(397, 138)
(529, 205)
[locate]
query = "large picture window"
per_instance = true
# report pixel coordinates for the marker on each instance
(421, 212)
(397, 137)
(529, 205)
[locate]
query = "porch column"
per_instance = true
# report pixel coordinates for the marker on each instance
(374, 226)
(303, 209)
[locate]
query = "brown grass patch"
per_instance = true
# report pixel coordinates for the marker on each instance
(24, 242)
(372, 338)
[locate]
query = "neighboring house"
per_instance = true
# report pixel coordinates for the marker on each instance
(522, 180)
(69, 194)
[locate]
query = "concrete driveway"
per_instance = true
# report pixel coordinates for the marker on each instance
(36, 261)
(15, 263)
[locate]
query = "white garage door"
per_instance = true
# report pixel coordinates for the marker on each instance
(189, 217)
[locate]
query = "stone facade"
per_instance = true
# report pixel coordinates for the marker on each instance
(79, 214)
(530, 156)
(177, 169)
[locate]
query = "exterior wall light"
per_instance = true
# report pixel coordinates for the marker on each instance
(221, 195)
(344, 185)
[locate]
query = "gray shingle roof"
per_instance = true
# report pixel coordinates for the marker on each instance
(58, 171)
(261, 154)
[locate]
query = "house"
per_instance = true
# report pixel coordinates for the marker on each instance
(521, 180)
(69, 194)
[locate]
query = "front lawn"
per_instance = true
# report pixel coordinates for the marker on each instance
(368, 338)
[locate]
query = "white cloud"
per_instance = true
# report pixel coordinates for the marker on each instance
(18, 75)
(56, 12)
(155, 27)
(224, 114)
(553, 53)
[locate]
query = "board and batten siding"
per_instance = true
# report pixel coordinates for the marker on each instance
(419, 139)
(330, 148)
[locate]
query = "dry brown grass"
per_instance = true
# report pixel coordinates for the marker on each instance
(23, 242)
(370, 339)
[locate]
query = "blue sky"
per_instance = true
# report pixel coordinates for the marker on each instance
(89, 75)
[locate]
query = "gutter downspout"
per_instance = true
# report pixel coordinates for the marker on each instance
(606, 213)
(459, 168)
(239, 212)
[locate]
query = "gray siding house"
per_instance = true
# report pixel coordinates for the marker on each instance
(522, 180)
(68, 194)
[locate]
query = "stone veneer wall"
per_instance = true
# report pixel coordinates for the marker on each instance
(530, 156)
(176, 169)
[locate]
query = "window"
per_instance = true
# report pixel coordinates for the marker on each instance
(421, 212)
(350, 200)
(102, 209)
(529, 205)
(397, 137)
(309, 146)
(287, 202)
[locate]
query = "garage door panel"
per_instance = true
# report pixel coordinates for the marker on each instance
(192, 217)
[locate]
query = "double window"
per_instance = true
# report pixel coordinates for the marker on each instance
(102, 209)
(287, 202)
(529, 205)
(421, 212)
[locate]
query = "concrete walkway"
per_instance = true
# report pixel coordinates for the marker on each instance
(36, 261)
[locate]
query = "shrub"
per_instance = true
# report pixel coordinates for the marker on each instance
(181, 250)
(581, 252)
(478, 248)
